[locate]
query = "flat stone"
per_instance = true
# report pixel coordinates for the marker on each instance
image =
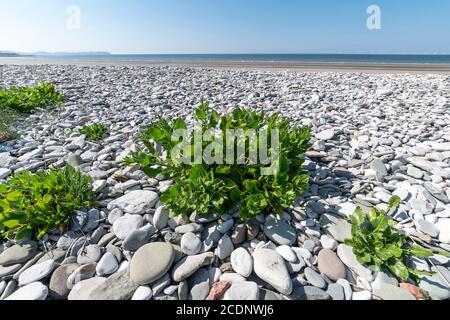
(190, 227)
(444, 230)
(270, 267)
(225, 226)
(36, 272)
(239, 234)
(246, 290)
(242, 262)
(66, 240)
(198, 218)
(58, 289)
(336, 227)
(224, 247)
(345, 253)
(135, 202)
(126, 225)
(107, 265)
(328, 242)
(429, 167)
(11, 269)
(325, 135)
(314, 278)
(151, 262)
(336, 291)
(83, 272)
(346, 209)
(427, 227)
(32, 291)
(436, 192)
(199, 285)
(280, 232)
(348, 292)
(232, 277)
(380, 169)
(330, 265)
(387, 291)
(18, 253)
(138, 238)
(190, 264)
(435, 285)
(287, 253)
(159, 285)
(83, 289)
(310, 293)
(362, 295)
(93, 216)
(190, 244)
(161, 218)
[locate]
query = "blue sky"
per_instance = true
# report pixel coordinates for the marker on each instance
(226, 26)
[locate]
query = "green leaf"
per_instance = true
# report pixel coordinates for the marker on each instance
(399, 270)
(420, 252)
(394, 202)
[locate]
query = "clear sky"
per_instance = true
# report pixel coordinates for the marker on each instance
(226, 26)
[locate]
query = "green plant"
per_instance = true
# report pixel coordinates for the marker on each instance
(7, 120)
(25, 99)
(34, 204)
(376, 243)
(94, 132)
(205, 188)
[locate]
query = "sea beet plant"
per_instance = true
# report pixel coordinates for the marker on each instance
(376, 243)
(94, 132)
(34, 204)
(216, 187)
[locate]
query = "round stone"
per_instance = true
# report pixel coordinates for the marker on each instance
(199, 285)
(83, 289)
(280, 232)
(246, 290)
(325, 135)
(107, 265)
(36, 272)
(151, 262)
(190, 244)
(336, 227)
(138, 238)
(32, 291)
(125, 225)
(58, 289)
(225, 247)
(142, 293)
(89, 254)
(314, 278)
(242, 262)
(330, 265)
(270, 267)
(188, 265)
(287, 253)
(18, 253)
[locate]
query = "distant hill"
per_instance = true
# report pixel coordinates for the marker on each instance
(9, 54)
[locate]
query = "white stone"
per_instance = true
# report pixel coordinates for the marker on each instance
(32, 291)
(242, 291)
(123, 226)
(444, 230)
(190, 244)
(287, 253)
(135, 202)
(142, 293)
(36, 272)
(346, 209)
(224, 247)
(107, 265)
(328, 242)
(242, 262)
(161, 218)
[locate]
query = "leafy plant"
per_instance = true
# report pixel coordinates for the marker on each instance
(25, 99)
(94, 132)
(7, 120)
(34, 204)
(376, 243)
(203, 187)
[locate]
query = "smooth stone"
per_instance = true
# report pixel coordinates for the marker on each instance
(280, 232)
(336, 291)
(218, 290)
(36, 272)
(83, 289)
(58, 289)
(269, 295)
(328, 242)
(336, 227)
(239, 234)
(138, 238)
(89, 254)
(346, 209)
(270, 267)
(214, 274)
(183, 290)
(246, 290)
(385, 277)
(310, 293)
(287, 253)
(436, 192)
(387, 291)
(83, 272)
(198, 218)
(348, 292)
(92, 220)
(378, 166)
(224, 247)
(232, 277)
(135, 202)
(435, 285)
(190, 244)
(32, 291)
(151, 262)
(114, 215)
(125, 225)
(66, 240)
(161, 218)
(362, 295)
(190, 264)
(345, 253)
(242, 262)
(225, 226)
(18, 253)
(6, 271)
(330, 265)
(444, 230)
(325, 135)
(142, 293)
(190, 227)
(314, 278)
(159, 285)
(199, 285)
(107, 265)
(427, 227)
(429, 167)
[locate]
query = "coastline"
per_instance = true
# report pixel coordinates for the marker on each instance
(375, 68)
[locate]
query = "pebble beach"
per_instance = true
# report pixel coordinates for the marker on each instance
(373, 136)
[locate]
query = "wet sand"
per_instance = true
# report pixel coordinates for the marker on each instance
(389, 68)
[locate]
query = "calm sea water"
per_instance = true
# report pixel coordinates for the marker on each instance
(370, 58)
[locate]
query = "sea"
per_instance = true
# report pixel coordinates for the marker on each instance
(350, 58)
